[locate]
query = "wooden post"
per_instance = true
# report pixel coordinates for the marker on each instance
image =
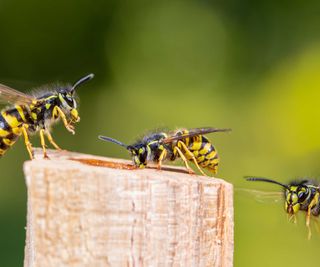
(91, 211)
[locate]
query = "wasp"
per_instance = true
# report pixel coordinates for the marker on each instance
(189, 145)
(299, 195)
(36, 113)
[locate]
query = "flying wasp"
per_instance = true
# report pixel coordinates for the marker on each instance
(30, 114)
(299, 195)
(189, 145)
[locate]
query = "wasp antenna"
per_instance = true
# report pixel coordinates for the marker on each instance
(261, 179)
(223, 130)
(109, 139)
(212, 129)
(82, 80)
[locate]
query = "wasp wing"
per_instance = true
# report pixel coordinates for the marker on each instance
(262, 196)
(10, 95)
(193, 132)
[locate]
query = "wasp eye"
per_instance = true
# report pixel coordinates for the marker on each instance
(70, 100)
(302, 195)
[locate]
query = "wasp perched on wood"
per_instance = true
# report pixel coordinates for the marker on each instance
(36, 113)
(299, 195)
(189, 145)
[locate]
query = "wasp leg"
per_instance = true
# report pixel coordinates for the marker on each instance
(69, 127)
(309, 232)
(49, 136)
(190, 155)
(292, 218)
(27, 141)
(184, 159)
(308, 220)
(317, 225)
(314, 201)
(43, 144)
(162, 156)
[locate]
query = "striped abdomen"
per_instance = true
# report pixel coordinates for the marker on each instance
(11, 121)
(204, 152)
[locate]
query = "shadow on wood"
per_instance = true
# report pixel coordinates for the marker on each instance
(86, 210)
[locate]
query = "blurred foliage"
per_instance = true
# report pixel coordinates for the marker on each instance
(249, 65)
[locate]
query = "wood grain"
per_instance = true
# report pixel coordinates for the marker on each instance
(85, 210)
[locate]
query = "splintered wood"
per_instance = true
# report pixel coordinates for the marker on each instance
(91, 211)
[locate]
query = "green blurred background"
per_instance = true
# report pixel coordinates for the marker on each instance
(249, 65)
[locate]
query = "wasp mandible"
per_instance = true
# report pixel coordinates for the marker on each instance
(189, 145)
(36, 113)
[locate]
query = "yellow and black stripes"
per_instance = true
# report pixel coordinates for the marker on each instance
(189, 145)
(36, 113)
(7, 141)
(10, 127)
(201, 149)
(207, 156)
(21, 119)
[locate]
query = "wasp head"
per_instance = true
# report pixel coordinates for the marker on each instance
(68, 104)
(68, 101)
(138, 151)
(296, 196)
(139, 155)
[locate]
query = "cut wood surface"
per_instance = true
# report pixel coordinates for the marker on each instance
(85, 210)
